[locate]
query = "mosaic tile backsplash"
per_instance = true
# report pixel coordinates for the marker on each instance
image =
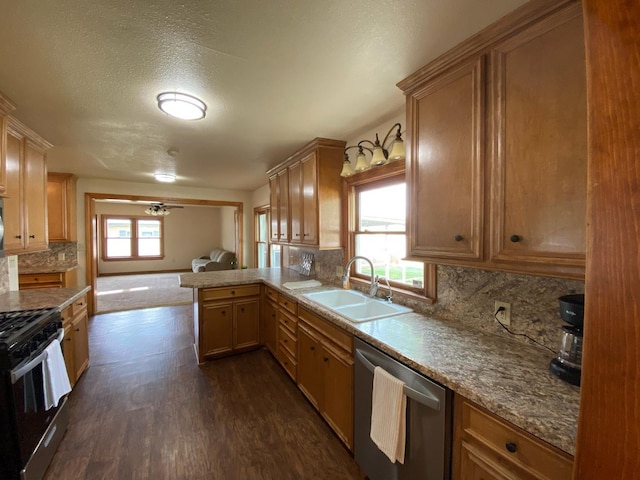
(467, 295)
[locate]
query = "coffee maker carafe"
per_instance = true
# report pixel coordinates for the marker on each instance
(567, 364)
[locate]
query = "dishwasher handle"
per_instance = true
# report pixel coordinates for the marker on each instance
(423, 398)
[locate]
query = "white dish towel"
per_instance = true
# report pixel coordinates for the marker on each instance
(54, 376)
(388, 415)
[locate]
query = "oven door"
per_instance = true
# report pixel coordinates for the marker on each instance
(31, 417)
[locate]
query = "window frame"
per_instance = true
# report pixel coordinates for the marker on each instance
(133, 239)
(389, 174)
(257, 211)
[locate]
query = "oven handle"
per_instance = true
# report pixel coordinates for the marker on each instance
(20, 372)
(423, 398)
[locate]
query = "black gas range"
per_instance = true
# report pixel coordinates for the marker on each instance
(29, 431)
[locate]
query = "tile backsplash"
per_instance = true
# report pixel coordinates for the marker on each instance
(468, 295)
(52, 257)
(4, 275)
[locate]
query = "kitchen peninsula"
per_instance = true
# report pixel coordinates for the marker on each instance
(506, 377)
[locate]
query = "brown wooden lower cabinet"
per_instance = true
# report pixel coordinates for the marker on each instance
(47, 280)
(75, 345)
(487, 447)
(325, 371)
(227, 321)
(270, 325)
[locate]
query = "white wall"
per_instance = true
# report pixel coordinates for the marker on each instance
(92, 185)
(180, 246)
(381, 129)
(227, 228)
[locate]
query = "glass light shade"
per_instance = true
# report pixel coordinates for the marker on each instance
(378, 157)
(347, 170)
(165, 177)
(181, 105)
(361, 162)
(397, 150)
(157, 211)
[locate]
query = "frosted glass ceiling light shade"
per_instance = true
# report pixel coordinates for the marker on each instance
(157, 211)
(165, 177)
(380, 153)
(347, 169)
(181, 105)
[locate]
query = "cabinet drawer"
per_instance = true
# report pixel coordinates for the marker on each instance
(513, 444)
(288, 304)
(288, 321)
(229, 292)
(271, 293)
(41, 279)
(79, 305)
(333, 332)
(289, 364)
(288, 341)
(67, 315)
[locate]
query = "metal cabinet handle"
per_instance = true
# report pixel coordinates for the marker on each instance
(458, 238)
(511, 447)
(18, 236)
(515, 238)
(32, 236)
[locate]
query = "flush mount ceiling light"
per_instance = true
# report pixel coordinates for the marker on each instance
(380, 154)
(165, 177)
(181, 105)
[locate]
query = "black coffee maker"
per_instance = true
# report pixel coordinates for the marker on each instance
(568, 363)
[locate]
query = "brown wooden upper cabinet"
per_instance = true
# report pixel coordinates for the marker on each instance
(497, 147)
(6, 107)
(61, 207)
(25, 208)
(306, 196)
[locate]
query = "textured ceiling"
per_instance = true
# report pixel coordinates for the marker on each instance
(274, 74)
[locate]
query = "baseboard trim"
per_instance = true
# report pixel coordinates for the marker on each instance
(147, 272)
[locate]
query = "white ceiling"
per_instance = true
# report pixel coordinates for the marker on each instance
(274, 74)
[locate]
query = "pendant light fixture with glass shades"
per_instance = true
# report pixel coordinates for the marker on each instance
(381, 153)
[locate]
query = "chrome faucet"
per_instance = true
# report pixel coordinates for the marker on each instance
(373, 288)
(388, 298)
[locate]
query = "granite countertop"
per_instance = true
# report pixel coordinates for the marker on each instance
(45, 269)
(508, 377)
(40, 298)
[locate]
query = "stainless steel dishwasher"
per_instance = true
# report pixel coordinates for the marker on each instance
(428, 443)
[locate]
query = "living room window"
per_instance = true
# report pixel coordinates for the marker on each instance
(132, 238)
(377, 230)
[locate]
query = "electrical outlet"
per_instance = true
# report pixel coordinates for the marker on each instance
(61, 257)
(339, 270)
(504, 316)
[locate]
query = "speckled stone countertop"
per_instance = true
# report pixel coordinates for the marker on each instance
(46, 269)
(507, 377)
(40, 298)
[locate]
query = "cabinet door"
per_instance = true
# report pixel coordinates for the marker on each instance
(295, 195)
(80, 343)
(246, 323)
(337, 404)
(539, 176)
(270, 319)
(216, 336)
(3, 152)
(35, 197)
(273, 208)
(61, 200)
(13, 213)
(309, 200)
(446, 130)
(283, 206)
(68, 349)
(475, 465)
(310, 369)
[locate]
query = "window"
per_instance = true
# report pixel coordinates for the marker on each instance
(262, 237)
(132, 238)
(377, 231)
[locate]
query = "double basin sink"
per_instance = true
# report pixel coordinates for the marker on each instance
(355, 306)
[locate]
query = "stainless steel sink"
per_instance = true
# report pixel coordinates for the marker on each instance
(355, 306)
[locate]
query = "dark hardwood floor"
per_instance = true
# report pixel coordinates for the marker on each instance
(144, 409)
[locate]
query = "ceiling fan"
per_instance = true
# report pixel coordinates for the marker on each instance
(160, 209)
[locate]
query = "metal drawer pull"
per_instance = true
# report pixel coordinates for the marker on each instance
(511, 446)
(423, 398)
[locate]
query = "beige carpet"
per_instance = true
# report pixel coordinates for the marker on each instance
(133, 292)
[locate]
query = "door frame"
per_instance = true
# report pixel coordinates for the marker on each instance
(91, 229)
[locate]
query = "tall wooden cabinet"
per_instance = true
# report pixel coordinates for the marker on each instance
(25, 212)
(311, 198)
(6, 107)
(61, 207)
(497, 147)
